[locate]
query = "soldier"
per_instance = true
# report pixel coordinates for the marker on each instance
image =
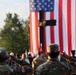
(25, 68)
(38, 60)
(5, 69)
(71, 61)
(52, 66)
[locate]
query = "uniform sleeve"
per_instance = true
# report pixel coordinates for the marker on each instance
(68, 58)
(39, 70)
(19, 61)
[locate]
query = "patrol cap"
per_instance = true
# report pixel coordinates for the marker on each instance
(53, 48)
(3, 53)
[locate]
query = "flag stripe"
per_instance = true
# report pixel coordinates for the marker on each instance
(36, 30)
(65, 43)
(34, 40)
(31, 39)
(57, 26)
(73, 23)
(48, 30)
(69, 25)
(60, 26)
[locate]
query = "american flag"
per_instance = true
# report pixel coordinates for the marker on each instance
(37, 5)
(64, 11)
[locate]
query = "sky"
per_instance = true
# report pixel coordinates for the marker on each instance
(20, 7)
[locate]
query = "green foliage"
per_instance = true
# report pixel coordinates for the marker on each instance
(14, 35)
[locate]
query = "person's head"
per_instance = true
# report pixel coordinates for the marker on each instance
(3, 54)
(53, 50)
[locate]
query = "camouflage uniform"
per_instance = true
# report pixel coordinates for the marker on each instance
(71, 62)
(37, 61)
(53, 66)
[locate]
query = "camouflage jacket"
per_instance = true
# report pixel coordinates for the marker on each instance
(52, 67)
(37, 61)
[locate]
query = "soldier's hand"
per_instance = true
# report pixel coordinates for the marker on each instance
(63, 54)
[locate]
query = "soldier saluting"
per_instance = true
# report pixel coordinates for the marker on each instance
(52, 66)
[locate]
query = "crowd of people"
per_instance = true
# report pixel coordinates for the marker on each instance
(54, 62)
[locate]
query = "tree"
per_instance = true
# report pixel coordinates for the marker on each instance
(13, 34)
